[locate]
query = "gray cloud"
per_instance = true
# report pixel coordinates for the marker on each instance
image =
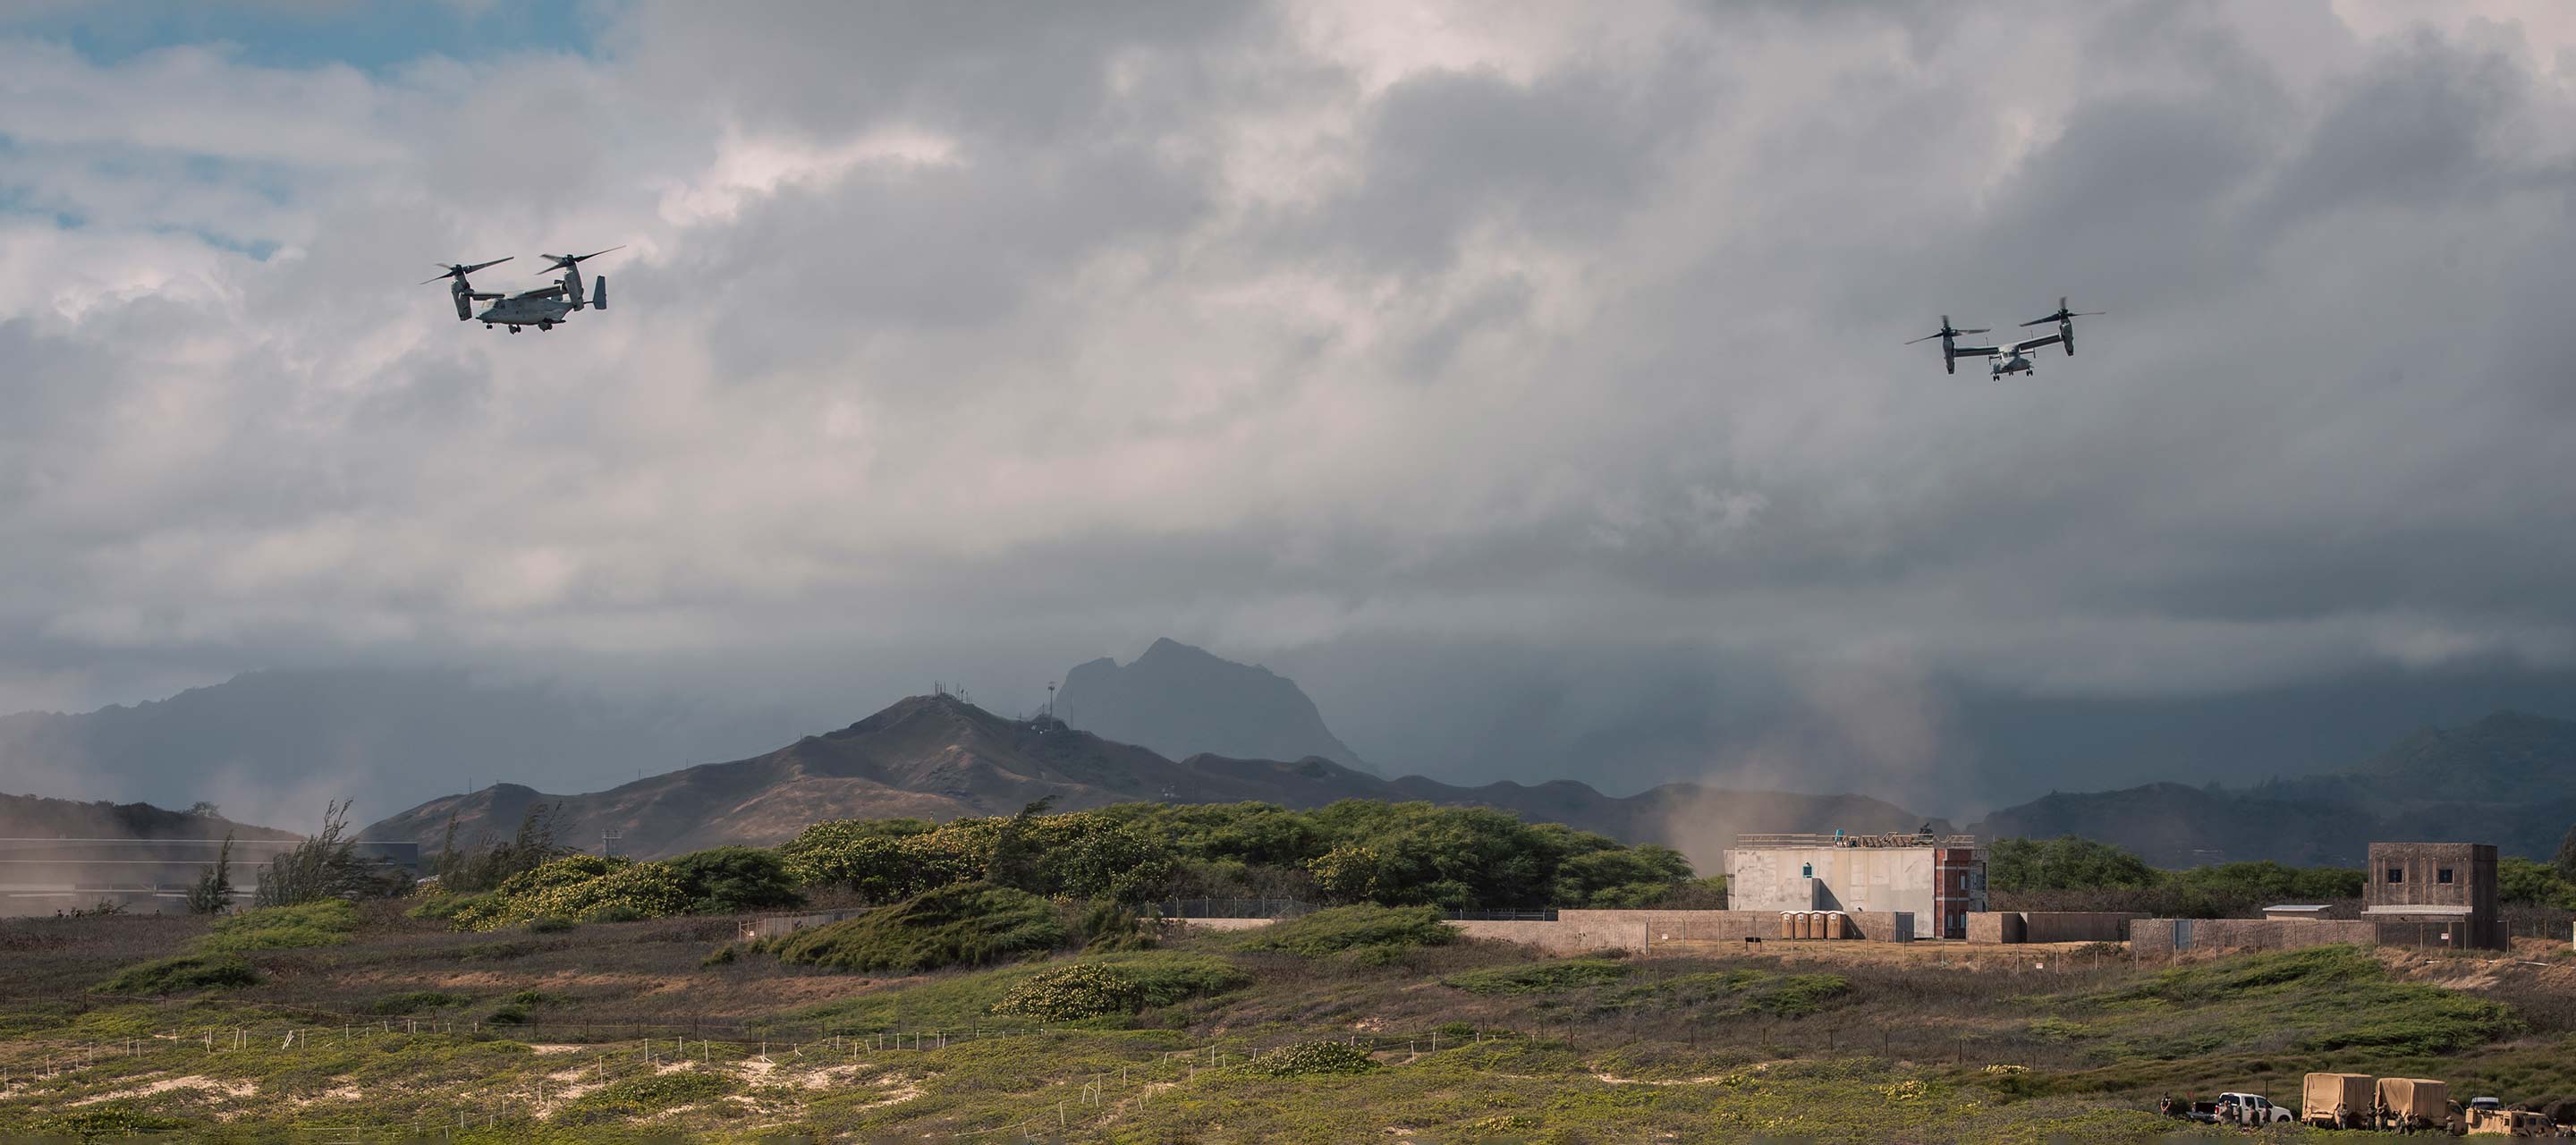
(972, 343)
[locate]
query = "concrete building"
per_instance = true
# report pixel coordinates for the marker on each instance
(2444, 887)
(1938, 880)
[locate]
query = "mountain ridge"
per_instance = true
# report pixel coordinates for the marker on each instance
(938, 757)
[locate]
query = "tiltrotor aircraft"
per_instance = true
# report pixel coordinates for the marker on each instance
(2008, 357)
(541, 308)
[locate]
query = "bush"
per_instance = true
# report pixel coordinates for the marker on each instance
(328, 866)
(969, 924)
(1311, 1057)
(1796, 995)
(1073, 993)
(414, 1002)
(731, 880)
(585, 888)
(1346, 927)
(549, 924)
(655, 1092)
(1539, 978)
(723, 956)
(181, 974)
(325, 922)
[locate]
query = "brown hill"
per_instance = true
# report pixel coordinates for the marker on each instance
(938, 757)
(36, 817)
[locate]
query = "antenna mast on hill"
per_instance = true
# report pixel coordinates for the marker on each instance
(607, 839)
(1050, 699)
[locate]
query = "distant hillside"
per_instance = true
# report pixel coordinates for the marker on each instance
(285, 741)
(938, 757)
(35, 817)
(2508, 779)
(1183, 701)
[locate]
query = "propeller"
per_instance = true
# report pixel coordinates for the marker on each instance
(459, 270)
(2063, 313)
(1946, 332)
(567, 261)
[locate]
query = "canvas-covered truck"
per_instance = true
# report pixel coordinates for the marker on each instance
(2339, 1100)
(2414, 1105)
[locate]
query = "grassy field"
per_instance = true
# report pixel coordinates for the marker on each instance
(374, 1026)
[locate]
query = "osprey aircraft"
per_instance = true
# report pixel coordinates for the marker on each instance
(2008, 357)
(541, 308)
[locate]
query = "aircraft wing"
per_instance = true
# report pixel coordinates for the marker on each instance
(1976, 351)
(557, 290)
(2035, 343)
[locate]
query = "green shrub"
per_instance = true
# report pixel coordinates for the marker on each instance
(723, 956)
(441, 906)
(323, 922)
(92, 1124)
(181, 974)
(1345, 927)
(1311, 1057)
(1796, 995)
(1539, 978)
(549, 924)
(731, 880)
(414, 1002)
(585, 888)
(1080, 991)
(655, 1092)
(969, 924)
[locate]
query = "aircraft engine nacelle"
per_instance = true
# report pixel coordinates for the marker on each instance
(599, 293)
(464, 303)
(1949, 352)
(2066, 331)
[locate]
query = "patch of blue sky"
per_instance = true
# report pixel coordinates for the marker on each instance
(372, 37)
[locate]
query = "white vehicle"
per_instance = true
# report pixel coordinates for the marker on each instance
(2248, 1109)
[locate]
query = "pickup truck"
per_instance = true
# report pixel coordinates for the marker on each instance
(2241, 1109)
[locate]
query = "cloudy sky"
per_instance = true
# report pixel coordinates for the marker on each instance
(1525, 380)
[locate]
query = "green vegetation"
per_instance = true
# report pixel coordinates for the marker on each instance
(584, 888)
(1312, 1057)
(2323, 998)
(484, 867)
(2071, 873)
(731, 880)
(1084, 990)
(324, 922)
(1352, 928)
(1353, 851)
(414, 1002)
(968, 924)
(2521, 882)
(1540, 977)
(180, 975)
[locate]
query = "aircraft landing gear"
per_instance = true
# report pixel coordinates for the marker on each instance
(545, 327)
(487, 325)
(514, 329)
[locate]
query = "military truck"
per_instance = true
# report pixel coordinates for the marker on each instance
(2339, 1101)
(2509, 1123)
(2414, 1105)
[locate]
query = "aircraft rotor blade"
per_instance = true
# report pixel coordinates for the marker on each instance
(1909, 342)
(1978, 330)
(457, 270)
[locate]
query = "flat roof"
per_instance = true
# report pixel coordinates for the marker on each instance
(2296, 906)
(2417, 908)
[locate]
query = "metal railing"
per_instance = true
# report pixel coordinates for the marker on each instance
(1547, 915)
(1229, 908)
(1752, 841)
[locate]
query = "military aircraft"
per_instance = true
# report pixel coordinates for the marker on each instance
(541, 308)
(2008, 357)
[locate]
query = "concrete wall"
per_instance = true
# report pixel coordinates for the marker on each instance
(1995, 926)
(1858, 880)
(2154, 937)
(2074, 926)
(785, 924)
(1670, 931)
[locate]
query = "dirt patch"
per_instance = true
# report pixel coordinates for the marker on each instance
(192, 1081)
